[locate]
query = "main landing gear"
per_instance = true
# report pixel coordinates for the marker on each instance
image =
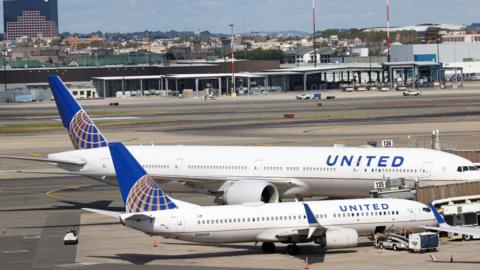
(268, 247)
(293, 249)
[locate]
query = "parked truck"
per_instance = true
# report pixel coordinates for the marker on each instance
(421, 242)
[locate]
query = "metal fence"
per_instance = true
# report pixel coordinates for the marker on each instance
(36, 95)
(429, 193)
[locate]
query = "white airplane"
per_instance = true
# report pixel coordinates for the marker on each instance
(444, 227)
(331, 224)
(239, 174)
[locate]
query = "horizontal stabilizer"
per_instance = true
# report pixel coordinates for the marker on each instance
(68, 162)
(103, 212)
(137, 217)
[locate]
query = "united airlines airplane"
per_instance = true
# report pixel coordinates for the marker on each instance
(239, 174)
(331, 224)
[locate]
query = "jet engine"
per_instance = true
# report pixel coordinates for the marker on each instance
(250, 191)
(338, 238)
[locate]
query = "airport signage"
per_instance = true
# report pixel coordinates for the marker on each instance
(364, 207)
(365, 161)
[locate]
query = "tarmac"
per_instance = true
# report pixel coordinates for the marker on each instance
(35, 210)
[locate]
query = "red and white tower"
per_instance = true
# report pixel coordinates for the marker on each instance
(388, 30)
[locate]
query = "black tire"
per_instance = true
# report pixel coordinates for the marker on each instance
(268, 247)
(467, 237)
(293, 250)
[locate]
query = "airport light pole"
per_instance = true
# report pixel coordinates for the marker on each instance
(314, 43)
(232, 48)
(296, 54)
(388, 30)
(4, 64)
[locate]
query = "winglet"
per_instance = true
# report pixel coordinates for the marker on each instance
(437, 215)
(310, 216)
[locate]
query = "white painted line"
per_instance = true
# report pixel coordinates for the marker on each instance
(26, 237)
(109, 118)
(75, 264)
(15, 251)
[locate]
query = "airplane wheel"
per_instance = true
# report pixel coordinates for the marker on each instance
(268, 247)
(293, 249)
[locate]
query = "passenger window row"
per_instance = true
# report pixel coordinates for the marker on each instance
(397, 170)
(155, 166)
(256, 219)
(319, 169)
(358, 214)
(217, 167)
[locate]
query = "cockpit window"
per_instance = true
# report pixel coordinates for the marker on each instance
(426, 209)
(467, 168)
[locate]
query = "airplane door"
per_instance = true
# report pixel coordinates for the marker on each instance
(179, 166)
(258, 166)
(180, 224)
(426, 170)
(411, 214)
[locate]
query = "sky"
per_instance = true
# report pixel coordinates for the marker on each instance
(86, 16)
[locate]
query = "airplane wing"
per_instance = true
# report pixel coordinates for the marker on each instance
(473, 231)
(43, 171)
(444, 227)
(203, 179)
(67, 162)
(212, 184)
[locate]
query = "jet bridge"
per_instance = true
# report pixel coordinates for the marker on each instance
(393, 188)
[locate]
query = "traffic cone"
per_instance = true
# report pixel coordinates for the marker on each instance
(155, 244)
(451, 258)
(306, 265)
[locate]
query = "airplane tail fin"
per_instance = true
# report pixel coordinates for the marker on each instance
(140, 192)
(83, 132)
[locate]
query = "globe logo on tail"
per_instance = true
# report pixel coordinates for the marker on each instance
(83, 132)
(146, 195)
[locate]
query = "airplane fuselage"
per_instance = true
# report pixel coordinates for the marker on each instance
(265, 222)
(323, 171)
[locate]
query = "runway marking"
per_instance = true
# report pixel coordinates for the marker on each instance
(75, 264)
(35, 154)
(27, 237)
(15, 251)
(51, 192)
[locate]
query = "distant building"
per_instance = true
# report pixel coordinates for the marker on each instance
(460, 36)
(32, 18)
(455, 52)
(306, 55)
(359, 51)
